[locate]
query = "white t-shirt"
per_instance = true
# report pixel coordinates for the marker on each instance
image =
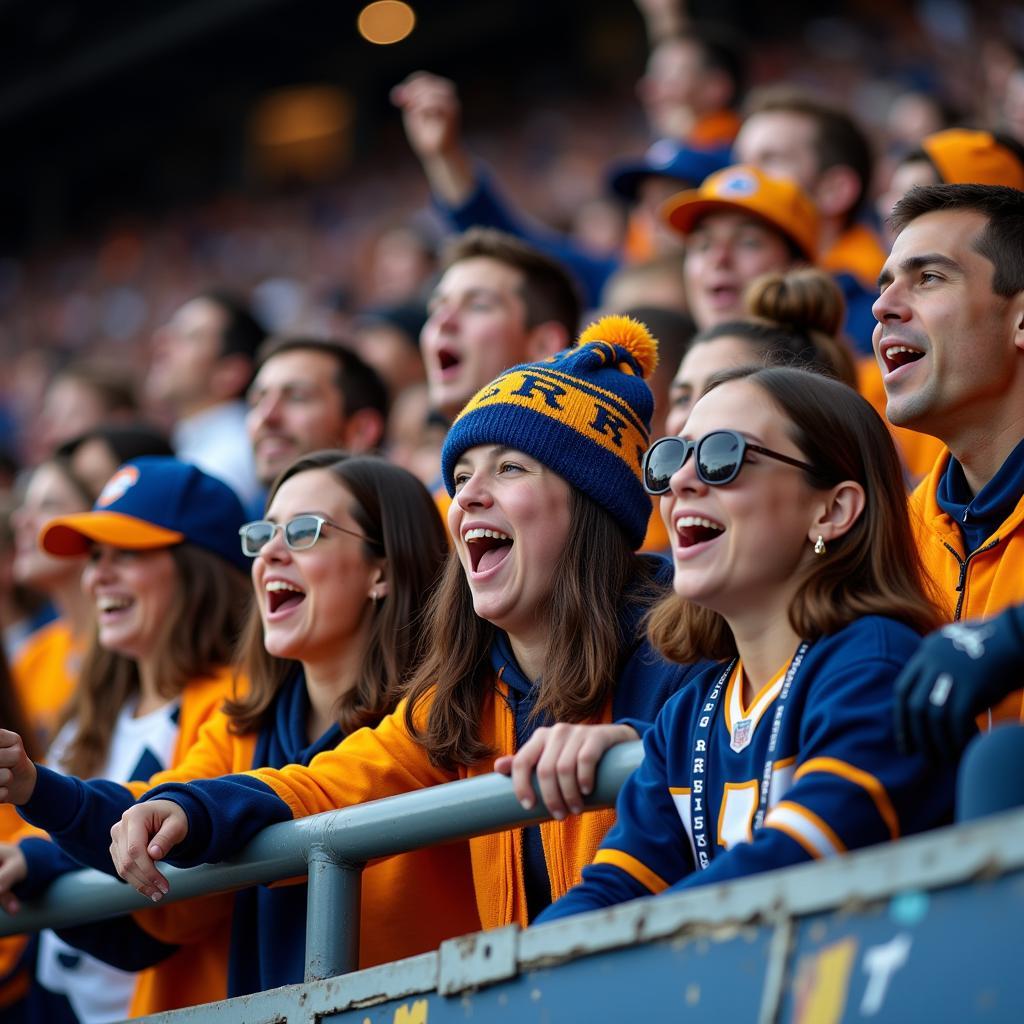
(139, 747)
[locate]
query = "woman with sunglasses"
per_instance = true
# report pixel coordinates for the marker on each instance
(341, 566)
(163, 578)
(795, 570)
(536, 621)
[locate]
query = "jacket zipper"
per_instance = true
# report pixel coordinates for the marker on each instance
(961, 585)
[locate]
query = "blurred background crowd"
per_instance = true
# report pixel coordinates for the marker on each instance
(156, 151)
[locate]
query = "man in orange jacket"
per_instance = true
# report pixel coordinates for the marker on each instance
(950, 343)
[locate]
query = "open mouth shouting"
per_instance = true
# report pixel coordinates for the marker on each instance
(282, 597)
(448, 361)
(487, 549)
(694, 533)
(898, 354)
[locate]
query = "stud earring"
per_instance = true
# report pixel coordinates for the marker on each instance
(819, 545)
(375, 597)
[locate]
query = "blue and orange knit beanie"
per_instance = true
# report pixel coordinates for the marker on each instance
(585, 413)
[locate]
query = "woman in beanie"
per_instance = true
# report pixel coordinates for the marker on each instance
(165, 579)
(342, 566)
(795, 570)
(536, 621)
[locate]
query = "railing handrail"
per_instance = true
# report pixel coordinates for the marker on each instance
(351, 836)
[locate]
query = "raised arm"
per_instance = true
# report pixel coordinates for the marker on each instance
(432, 116)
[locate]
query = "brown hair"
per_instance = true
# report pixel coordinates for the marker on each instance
(838, 138)
(358, 384)
(112, 383)
(873, 569)
(548, 291)
(395, 511)
(795, 320)
(198, 638)
(595, 572)
(1001, 241)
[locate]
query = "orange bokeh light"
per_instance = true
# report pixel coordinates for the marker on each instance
(386, 21)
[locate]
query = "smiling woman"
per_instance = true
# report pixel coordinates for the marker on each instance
(163, 577)
(533, 640)
(795, 566)
(341, 567)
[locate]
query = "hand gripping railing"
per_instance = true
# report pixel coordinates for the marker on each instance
(333, 848)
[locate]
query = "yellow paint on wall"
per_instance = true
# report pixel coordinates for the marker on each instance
(412, 1014)
(822, 983)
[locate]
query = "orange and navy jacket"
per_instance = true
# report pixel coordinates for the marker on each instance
(194, 973)
(44, 676)
(374, 763)
(977, 584)
(411, 902)
(686, 816)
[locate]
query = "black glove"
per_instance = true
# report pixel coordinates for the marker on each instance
(956, 674)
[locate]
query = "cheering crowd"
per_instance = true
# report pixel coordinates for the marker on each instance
(740, 475)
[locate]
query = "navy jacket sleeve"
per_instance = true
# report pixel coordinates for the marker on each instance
(45, 862)
(78, 814)
(119, 942)
(487, 208)
(223, 815)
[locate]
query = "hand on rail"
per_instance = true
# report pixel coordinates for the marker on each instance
(17, 772)
(147, 833)
(565, 758)
(13, 869)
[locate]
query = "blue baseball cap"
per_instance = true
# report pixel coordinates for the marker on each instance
(668, 158)
(155, 501)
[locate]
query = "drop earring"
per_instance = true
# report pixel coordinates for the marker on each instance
(819, 545)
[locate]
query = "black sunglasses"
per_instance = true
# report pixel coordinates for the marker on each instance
(719, 459)
(300, 533)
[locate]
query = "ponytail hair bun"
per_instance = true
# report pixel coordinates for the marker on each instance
(805, 299)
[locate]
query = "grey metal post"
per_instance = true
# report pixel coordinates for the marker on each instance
(332, 914)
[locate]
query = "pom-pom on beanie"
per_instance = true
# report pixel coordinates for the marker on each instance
(585, 413)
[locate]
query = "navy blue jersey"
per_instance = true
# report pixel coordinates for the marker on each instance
(836, 781)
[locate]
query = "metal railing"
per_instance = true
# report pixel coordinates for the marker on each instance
(333, 848)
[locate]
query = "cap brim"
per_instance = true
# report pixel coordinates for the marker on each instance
(684, 210)
(68, 536)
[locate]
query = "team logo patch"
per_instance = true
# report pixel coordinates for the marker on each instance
(741, 733)
(736, 185)
(118, 485)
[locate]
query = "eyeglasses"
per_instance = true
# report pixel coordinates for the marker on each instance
(300, 533)
(719, 459)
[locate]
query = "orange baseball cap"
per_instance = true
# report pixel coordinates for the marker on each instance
(780, 203)
(966, 157)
